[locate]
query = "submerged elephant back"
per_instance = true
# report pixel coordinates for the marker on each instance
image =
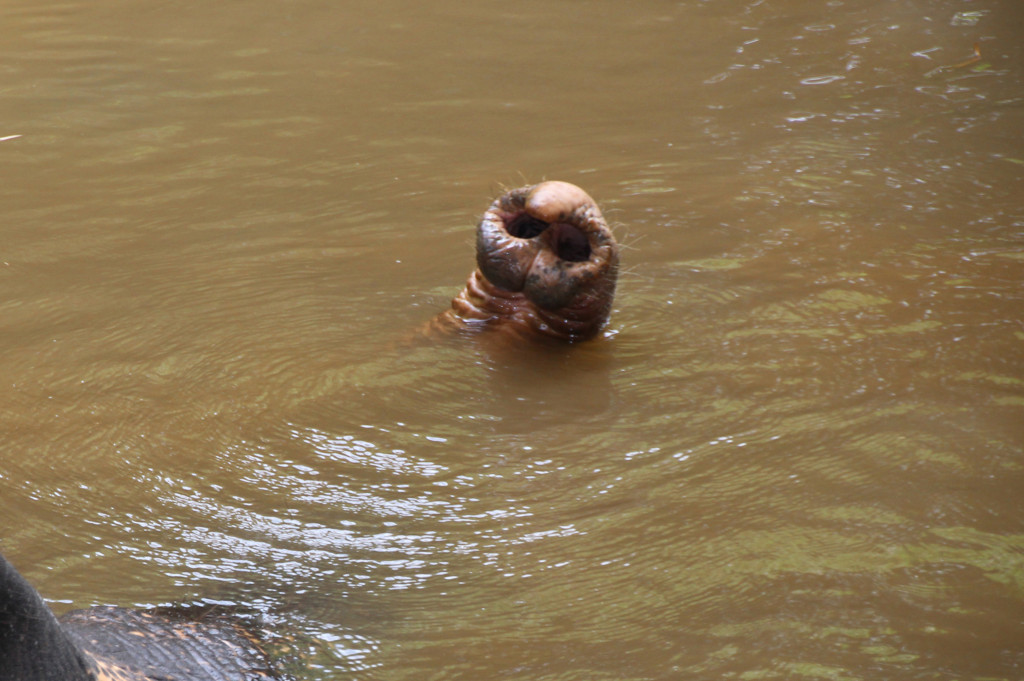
(128, 644)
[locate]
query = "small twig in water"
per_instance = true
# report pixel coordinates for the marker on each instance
(973, 60)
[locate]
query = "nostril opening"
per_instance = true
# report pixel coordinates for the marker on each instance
(571, 243)
(524, 226)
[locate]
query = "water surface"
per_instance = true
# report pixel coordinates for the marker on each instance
(796, 453)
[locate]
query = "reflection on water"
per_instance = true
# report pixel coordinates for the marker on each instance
(796, 453)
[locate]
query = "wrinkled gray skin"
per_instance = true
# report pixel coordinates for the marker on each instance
(547, 263)
(115, 644)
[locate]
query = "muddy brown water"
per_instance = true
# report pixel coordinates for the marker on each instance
(795, 454)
